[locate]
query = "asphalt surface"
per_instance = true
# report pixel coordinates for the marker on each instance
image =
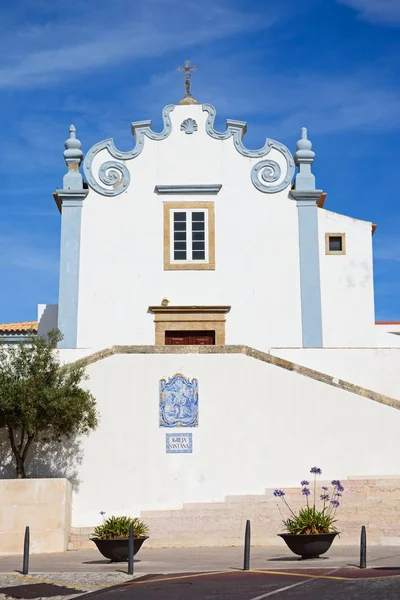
(329, 584)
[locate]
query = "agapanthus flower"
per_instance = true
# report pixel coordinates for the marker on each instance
(324, 488)
(315, 471)
(305, 491)
(338, 484)
(335, 503)
(279, 493)
(304, 482)
(324, 497)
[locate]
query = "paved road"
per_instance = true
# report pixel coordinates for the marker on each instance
(88, 571)
(329, 584)
(189, 560)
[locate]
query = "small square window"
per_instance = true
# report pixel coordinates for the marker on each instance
(335, 243)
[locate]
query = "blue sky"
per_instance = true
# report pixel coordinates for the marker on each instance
(331, 65)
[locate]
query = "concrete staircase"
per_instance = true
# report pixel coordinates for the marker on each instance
(373, 502)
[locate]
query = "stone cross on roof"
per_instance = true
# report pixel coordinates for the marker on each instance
(188, 98)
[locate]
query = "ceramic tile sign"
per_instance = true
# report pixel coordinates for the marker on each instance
(179, 402)
(178, 443)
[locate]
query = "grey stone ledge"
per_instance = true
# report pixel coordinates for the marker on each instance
(201, 188)
(247, 351)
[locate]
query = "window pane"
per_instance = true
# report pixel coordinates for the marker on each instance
(198, 226)
(335, 243)
(198, 245)
(198, 255)
(179, 216)
(198, 216)
(180, 235)
(180, 246)
(180, 255)
(198, 236)
(180, 226)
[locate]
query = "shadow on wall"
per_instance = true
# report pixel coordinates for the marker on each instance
(45, 460)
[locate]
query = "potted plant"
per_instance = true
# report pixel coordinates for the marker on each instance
(112, 537)
(311, 531)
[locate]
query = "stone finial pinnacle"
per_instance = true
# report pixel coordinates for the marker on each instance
(304, 157)
(304, 148)
(73, 156)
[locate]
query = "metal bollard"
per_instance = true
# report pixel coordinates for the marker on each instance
(25, 562)
(247, 539)
(130, 550)
(363, 548)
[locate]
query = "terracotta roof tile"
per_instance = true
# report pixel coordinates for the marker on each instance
(18, 327)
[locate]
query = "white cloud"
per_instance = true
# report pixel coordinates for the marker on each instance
(383, 11)
(324, 102)
(107, 34)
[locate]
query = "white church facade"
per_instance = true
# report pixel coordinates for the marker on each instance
(226, 319)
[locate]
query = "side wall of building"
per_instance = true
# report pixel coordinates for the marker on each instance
(347, 287)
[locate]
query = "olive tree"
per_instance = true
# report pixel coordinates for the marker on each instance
(40, 399)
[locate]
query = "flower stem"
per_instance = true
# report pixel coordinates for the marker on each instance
(315, 483)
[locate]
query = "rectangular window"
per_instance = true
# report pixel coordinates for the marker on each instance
(189, 235)
(180, 235)
(335, 243)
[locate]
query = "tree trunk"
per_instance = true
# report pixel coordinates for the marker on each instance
(20, 451)
(20, 468)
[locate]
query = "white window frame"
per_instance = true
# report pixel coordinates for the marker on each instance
(189, 245)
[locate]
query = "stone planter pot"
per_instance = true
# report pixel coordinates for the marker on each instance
(308, 545)
(118, 550)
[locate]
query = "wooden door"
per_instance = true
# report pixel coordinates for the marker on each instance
(190, 338)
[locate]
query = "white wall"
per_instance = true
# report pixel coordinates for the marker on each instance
(387, 334)
(259, 426)
(257, 260)
(347, 292)
(47, 318)
(374, 368)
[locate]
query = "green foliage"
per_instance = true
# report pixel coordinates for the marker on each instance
(118, 528)
(310, 520)
(41, 400)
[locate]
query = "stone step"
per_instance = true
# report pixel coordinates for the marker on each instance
(366, 501)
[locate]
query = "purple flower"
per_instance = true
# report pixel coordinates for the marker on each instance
(324, 497)
(324, 488)
(305, 491)
(338, 484)
(304, 482)
(338, 494)
(279, 493)
(315, 471)
(335, 503)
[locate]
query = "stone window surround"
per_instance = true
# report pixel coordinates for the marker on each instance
(192, 266)
(341, 235)
(189, 318)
